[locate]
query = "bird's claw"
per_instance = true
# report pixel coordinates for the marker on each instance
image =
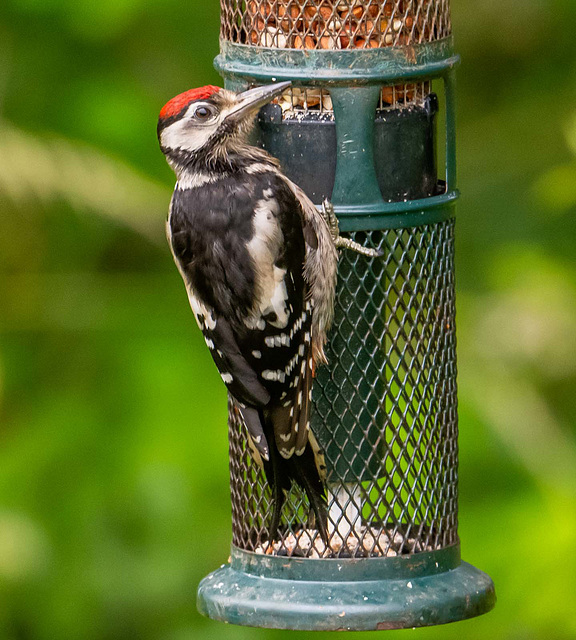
(331, 219)
(340, 242)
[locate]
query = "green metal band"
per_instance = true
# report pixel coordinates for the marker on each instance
(355, 78)
(418, 565)
(332, 67)
(397, 215)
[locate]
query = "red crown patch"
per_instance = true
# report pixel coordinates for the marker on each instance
(174, 106)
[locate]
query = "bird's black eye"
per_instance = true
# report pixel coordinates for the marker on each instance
(203, 112)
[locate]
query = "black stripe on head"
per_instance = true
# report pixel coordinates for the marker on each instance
(168, 120)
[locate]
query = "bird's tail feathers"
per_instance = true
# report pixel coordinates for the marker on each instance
(303, 470)
(305, 466)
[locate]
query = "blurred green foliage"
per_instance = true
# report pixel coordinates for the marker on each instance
(113, 451)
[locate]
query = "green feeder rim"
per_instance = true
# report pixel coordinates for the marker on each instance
(366, 594)
(337, 67)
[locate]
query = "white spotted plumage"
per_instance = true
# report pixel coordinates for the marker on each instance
(259, 266)
(276, 375)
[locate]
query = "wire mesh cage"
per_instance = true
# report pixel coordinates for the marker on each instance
(358, 126)
(334, 24)
(384, 411)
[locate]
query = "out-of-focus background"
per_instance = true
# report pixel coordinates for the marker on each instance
(113, 451)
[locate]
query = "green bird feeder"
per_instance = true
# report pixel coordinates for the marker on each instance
(358, 126)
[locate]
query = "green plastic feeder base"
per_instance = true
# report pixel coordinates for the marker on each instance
(240, 596)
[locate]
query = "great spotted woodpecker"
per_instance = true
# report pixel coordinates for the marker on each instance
(259, 264)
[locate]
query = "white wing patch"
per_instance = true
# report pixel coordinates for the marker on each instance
(277, 301)
(264, 248)
(202, 313)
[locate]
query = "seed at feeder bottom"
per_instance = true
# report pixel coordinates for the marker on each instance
(388, 9)
(324, 12)
(366, 542)
(398, 94)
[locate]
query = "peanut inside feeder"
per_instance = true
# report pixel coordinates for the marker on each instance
(305, 24)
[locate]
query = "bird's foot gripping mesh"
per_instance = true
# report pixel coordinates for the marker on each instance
(384, 412)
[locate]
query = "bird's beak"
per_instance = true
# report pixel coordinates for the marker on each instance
(253, 99)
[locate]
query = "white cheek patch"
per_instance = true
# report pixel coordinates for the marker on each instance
(184, 135)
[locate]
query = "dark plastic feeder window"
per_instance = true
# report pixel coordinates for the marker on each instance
(303, 138)
(359, 126)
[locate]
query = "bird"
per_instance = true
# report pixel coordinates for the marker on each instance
(259, 263)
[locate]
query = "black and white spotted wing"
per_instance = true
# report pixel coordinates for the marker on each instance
(239, 245)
